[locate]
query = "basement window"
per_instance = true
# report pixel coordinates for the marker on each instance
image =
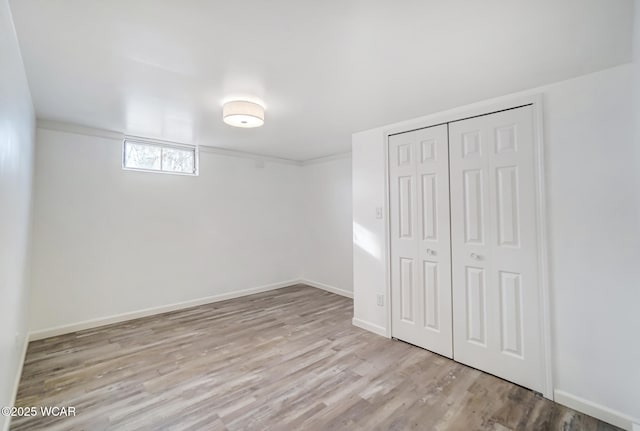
(155, 156)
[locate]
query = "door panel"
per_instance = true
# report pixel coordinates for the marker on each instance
(496, 307)
(507, 197)
(406, 290)
(473, 206)
(431, 300)
(475, 305)
(511, 313)
(429, 207)
(420, 239)
(406, 196)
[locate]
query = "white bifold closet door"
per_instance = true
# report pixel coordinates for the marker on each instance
(420, 239)
(496, 304)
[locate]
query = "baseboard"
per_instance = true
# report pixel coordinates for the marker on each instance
(597, 411)
(94, 323)
(371, 327)
(16, 382)
(328, 288)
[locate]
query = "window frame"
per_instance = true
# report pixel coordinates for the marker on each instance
(161, 145)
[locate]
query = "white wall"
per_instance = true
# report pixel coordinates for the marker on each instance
(636, 80)
(594, 232)
(369, 232)
(109, 241)
(326, 216)
(16, 149)
(594, 237)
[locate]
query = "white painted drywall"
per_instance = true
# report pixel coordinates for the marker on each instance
(636, 115)
(369, 232)
(326, 216)
(594, 236)
(636, 81)
(109, 241)
(16, 154)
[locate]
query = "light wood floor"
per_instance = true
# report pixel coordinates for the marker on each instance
(282, 360)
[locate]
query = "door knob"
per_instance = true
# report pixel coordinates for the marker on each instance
(475, 256)
(431, 252)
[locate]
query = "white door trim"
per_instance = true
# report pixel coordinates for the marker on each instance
(476, 109)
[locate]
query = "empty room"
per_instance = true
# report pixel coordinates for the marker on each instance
(320, 215)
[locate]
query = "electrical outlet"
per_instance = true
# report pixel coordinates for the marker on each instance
(379, 212)
(380, 300)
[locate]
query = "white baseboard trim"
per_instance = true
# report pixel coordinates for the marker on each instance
(16, 382)
(596, 410)
(371, 327)
(327, 287)
(102, 321)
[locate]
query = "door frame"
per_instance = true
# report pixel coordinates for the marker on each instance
(474, 110)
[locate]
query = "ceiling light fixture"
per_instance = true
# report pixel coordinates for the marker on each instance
(240, 113)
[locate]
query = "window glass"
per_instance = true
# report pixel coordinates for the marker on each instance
(140, 155)
(177, 160)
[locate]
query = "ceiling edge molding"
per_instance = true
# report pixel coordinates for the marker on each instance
(62, 126)
(324, 159)
(246, 155)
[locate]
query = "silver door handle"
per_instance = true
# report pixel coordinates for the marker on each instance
(475, 256)
(431, 252)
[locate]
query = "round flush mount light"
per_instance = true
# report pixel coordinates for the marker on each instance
(240, 113)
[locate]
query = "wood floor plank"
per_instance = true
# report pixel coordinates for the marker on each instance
(283, 360)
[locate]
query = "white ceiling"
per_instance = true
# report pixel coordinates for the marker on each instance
(324, 69)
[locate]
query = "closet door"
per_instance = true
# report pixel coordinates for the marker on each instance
(420, 239)
(496, 311)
